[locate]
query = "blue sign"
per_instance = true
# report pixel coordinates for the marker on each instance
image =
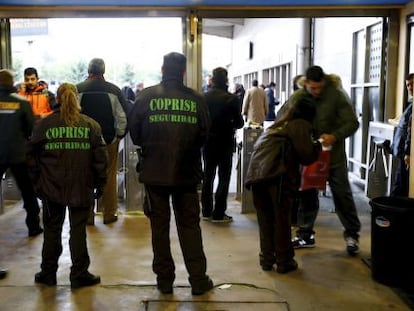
(28, 27)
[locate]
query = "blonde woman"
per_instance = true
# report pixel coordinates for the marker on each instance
(69, 161)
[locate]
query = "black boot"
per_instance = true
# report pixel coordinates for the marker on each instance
(88, 279)
(3, 273)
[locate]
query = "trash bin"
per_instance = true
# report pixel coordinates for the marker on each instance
(392, 225)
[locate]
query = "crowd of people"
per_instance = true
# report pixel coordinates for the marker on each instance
(65, 153)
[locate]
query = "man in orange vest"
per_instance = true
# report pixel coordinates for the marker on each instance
(40, 98)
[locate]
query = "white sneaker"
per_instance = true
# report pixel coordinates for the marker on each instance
(352, 246)
(225, 219)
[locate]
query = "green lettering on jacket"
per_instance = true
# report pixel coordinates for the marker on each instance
(173, 104)
(67, 132)
(67, 145)
(53, 134)
(168, 110)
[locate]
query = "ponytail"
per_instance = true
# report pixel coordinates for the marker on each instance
(67, 96)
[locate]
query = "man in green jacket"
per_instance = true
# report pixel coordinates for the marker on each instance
(335, 120)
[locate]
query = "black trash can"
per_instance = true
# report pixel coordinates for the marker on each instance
(392, 237)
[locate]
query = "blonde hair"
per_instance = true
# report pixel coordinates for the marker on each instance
(67, 96)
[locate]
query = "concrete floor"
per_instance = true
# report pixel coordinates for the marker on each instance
(327, 278)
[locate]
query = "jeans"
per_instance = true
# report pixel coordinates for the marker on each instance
(343, 201)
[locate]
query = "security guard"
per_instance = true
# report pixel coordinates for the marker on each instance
(68, 153)
(16, 124)
(169, 122)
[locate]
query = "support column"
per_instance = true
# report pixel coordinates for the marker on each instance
(305, 48)
(192, 48)
(5, 44)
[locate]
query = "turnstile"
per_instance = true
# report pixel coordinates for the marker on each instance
(250, 136)
(380, 164)
(134, 190)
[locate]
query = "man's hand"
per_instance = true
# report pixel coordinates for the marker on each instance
(327, 140)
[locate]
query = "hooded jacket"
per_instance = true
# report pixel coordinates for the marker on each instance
(334, 115)
(68, 162)
(41, 100)
(279, 152)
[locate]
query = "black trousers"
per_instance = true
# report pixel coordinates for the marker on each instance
(30, 204)
(273, 208)
(221, 159)
(53, 219)
(186, 208)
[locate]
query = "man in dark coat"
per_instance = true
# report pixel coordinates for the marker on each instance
(335, 120)
(170, 122)
(225, 114)
(16, 124)
(271, 101)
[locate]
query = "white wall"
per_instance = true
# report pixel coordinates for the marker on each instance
(275, 42)
(278, 41)
(333, 44)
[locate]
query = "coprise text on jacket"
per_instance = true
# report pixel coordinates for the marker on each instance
(183, 109)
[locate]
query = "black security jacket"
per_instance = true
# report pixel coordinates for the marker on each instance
(170, 122)
(68, 163)
(16, 124)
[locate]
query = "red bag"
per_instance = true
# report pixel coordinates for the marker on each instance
(316, 174)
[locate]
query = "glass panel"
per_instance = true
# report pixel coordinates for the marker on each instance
(374, 111)
(357, 153)
(360, 57)
(61, 48)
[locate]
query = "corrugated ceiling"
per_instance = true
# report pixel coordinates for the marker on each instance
(190, 3)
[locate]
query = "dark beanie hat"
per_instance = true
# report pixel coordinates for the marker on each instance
(96, 66)
(174, 64)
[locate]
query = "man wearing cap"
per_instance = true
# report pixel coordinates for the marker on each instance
(16, 124)
(103, 101)
(225, 114)
(170, 123)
